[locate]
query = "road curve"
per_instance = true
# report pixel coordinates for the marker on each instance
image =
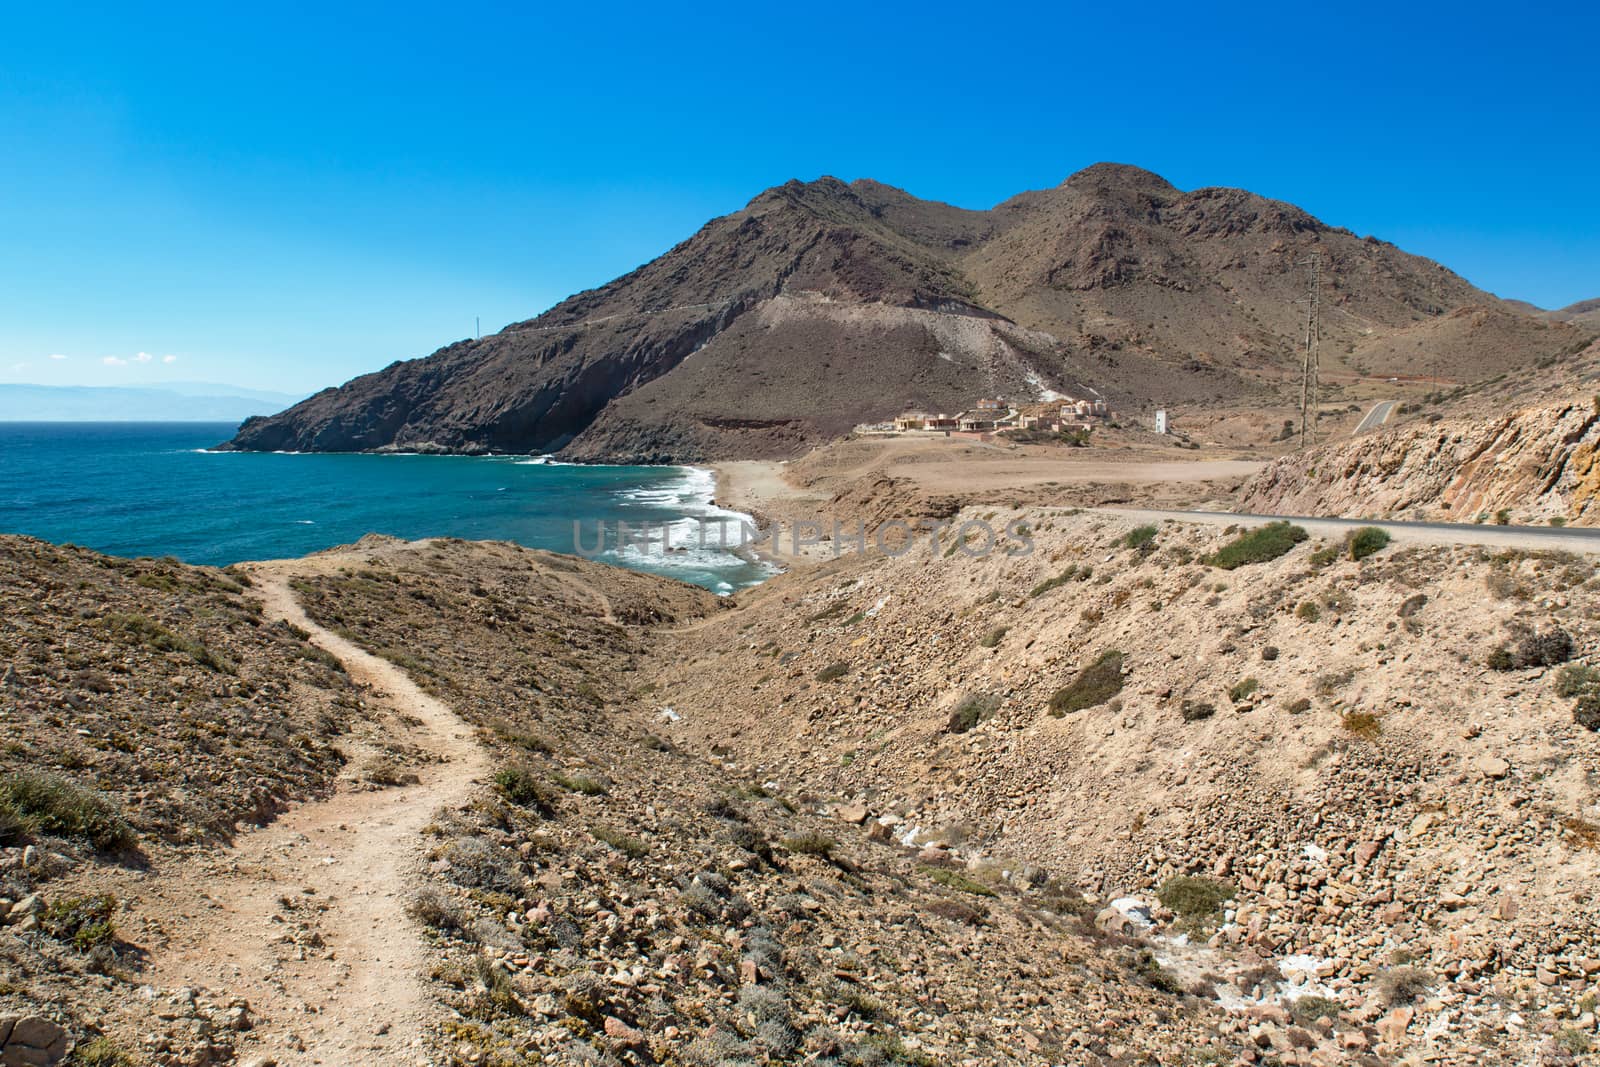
(1377, 416)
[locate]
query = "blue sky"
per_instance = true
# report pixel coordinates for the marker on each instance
(282, 197)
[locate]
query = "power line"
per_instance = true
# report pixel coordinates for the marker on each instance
(1310, 384)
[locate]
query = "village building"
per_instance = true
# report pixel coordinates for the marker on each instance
(911, 420)
(945, 423)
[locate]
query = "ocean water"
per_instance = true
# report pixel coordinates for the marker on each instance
(155, 489)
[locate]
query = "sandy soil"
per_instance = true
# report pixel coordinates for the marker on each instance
(305, 918)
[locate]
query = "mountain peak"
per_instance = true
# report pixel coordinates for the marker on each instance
(1119, 175)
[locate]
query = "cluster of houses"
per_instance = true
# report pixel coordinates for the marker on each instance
(995, 416)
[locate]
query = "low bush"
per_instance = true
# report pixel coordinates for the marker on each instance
(46, 804)
(1586, 712)
(1261, 545)
(627, 844)
(1307, 1010)
(1401, 985)
(972, 710)
(810, 843)
(101, 1052)
(581, 783)
(525, 789)
(1545, 648)
(1365, 541)
(1244, 690)
(84, 922)
(1141, 538)
(1576, 680)
(833, 672)
(957, 880)
(435, 911)
(1093, 686)
(1196, 711)
(1362, 724)
(1082, 574)
(1195, 900)
(993, 638)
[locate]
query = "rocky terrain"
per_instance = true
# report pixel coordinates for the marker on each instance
(1377, 767)
(1107, 794)
(821, 305)
(1519, 450)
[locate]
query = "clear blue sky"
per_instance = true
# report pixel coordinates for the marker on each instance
(281, 197)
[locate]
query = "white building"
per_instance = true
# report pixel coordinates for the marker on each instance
(1161, 421)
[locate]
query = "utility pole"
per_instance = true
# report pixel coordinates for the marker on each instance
(1310, 386)
(477, 326)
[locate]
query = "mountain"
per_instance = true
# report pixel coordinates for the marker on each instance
(169, 402)
(823, 304)
(1583, 313)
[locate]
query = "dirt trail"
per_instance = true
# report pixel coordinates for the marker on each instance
(306, 918)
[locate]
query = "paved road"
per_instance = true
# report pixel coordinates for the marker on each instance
(1565, 538)
(1377, 416)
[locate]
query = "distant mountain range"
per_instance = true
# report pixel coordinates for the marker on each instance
(822, 304)
(168, 402)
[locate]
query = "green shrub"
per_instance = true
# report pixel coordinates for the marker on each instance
(1502, 517)
(1196, 711)
(957, 880)
(1244, 690)
(1082, 574)
(1094, 685)
(1307, 1010)
(624, 843)
(101, 1052)
(1365, 541)
(1141, 538)
(1586, 712)
(833, 672)
(1308, 610)
(993, 638)
(1261, 545)
(1324, 556)
(51, 805)
(1402, 985)
(1362, 724)
(581, 783)
(1576, 680)
(973, 709)
(84, 922)
(154, 635)
(525, 789)
(1195, 900)
(810, 843)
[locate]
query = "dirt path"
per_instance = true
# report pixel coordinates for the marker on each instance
(306, 918)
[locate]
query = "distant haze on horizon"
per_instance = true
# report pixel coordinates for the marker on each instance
(198, 193)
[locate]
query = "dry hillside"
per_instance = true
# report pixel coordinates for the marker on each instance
(821, 305)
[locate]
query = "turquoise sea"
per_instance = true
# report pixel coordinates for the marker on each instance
(155, 489)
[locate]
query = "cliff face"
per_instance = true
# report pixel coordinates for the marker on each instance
(1538, 464)
(821, 304)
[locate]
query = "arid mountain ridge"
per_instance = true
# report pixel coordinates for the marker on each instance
(823, 304)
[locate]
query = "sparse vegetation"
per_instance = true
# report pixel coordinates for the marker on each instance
(627, 844)
(580, 783)
(1074, 572)
(1308, 611)
(953, 879)
(1401, 985)
(1197, 901)
(1545, 648)
(47, 804)
(101, 1052)
(1244, 690)
(810, 843)
(1141, 538)
(153, 635)
(1307, 1010)
(1093, 686)
(1196, 710)
(1362, 724)
(973, 709)
(525, 789)
(85, 923)
(993, 638)
(1261, 545)
(833, 672)
(1366, 541)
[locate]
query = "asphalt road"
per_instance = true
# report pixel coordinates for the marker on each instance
(1377, 416)
(1564, 538)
